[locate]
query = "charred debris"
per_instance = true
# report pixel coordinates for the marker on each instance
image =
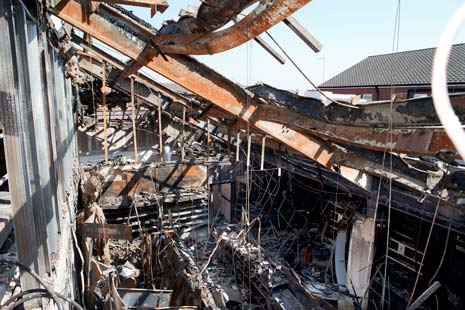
(128, 193)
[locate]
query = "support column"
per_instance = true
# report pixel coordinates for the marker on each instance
(104, 102)
(134, 129)
(238, 145)
(183, 153)
(208, 139)
(160, 129)
(229, 143)
(262, 159)
(360, 258)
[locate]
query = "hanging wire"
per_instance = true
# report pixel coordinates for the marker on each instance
(57, 297)
(305, 76)
(395, 48)
(395, 45)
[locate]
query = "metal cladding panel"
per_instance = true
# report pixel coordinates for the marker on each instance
(41, 134)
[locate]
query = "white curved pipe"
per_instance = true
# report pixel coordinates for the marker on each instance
(442, 104)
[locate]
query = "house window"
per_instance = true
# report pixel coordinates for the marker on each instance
(420, 95)
(367, 97)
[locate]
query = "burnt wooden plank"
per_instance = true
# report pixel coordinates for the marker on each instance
(106, 231)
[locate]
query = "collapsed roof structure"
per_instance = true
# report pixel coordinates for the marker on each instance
(127, 194)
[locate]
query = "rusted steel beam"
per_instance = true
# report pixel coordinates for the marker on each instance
(160, 130)
(135, 64)
(262, 18)
(125, 19)
(303, 34)
(183, 152)
(129, 181)
(208, 138)
(212, 16)
(413, 141)
(270, 50)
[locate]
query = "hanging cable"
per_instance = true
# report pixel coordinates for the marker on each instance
(395, 48)
(54, 295)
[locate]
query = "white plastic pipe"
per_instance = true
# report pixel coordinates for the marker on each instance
(442, 104)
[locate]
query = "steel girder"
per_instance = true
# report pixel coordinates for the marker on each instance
(266, 15)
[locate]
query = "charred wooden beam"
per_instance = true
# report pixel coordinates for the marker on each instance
(106, 231)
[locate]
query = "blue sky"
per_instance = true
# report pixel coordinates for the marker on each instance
(348, 30)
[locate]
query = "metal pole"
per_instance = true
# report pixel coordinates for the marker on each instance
(208, 138)
(238, 144)
(104, 102)
(229, 143)
(160, 133)
(134, 130)
(262, 162)
(183, 154)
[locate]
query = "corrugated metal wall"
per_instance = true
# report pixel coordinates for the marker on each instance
(36, 112)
